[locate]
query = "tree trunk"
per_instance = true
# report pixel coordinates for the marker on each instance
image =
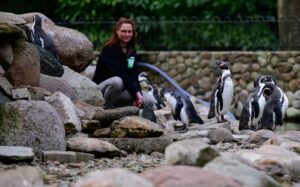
(289, 24)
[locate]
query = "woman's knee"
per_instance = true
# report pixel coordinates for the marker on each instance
(117, 82)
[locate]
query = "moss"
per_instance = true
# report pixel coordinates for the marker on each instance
(11, 32)
(206, 155)
(9, 122)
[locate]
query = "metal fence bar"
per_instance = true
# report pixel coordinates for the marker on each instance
(249, 33)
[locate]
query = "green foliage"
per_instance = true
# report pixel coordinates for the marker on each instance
(186, 31)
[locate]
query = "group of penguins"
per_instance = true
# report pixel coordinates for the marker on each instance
(265, 107)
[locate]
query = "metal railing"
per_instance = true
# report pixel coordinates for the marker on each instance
(250, 33)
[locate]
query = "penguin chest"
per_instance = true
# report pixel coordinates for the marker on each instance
(172, 101)
(184, 116)
(227, 95)
(285, 104)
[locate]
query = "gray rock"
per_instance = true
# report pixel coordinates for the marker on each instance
(16, 154)
(248, 176)
(22, 177)
(277, 161)
(75, 50)
(94, 146)
(85, 89)
(259, 137)
(220, 134)
(190, 152)
(67, 111)
(34, 124)
(53, 84)
(115, 177)
(179, 176)
(140, 145)
(67, 156)
(106, 117)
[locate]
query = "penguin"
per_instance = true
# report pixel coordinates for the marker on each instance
(158, 101)
(150, 92)
(188, 113)
(173, 100)
(182, 108)
(147, 112)
(253, 109)
(222, 96)
(275, 108)
(40, 37)
(143, 80)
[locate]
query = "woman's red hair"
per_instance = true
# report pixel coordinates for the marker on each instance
(115, 39)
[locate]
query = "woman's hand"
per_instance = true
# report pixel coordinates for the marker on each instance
(138, 100)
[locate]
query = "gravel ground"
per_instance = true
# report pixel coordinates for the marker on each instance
(58, 174)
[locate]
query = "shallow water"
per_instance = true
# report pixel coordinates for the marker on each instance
(289, 126)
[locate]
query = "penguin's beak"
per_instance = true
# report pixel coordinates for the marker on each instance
(266, 93)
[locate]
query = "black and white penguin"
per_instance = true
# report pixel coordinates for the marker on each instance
(253, 109)
(275, 108)
(188, 113)
(158, 101)
(150, 92)
(143, 80)
(222, 96)
(40, 37)
(174, 100)
(182, 108)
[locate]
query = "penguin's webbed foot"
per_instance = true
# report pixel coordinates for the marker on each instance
(181, 129)
(222, 120)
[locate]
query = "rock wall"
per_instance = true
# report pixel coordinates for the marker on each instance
(196, 71)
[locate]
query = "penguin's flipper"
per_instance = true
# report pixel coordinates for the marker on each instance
(255, 107)
(235, 101)
(220, 100)
(192, 113)
(211, 112)
(278, 115)
(178, 107)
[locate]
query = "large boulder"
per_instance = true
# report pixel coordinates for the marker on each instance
(11, 27)
(74, 49)
(25, 69)
(28, 17)
(34, 124)
(85, 89)
(114, 177)
(178, 176)
(53, 84)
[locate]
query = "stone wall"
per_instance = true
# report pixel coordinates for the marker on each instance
(196, 72)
